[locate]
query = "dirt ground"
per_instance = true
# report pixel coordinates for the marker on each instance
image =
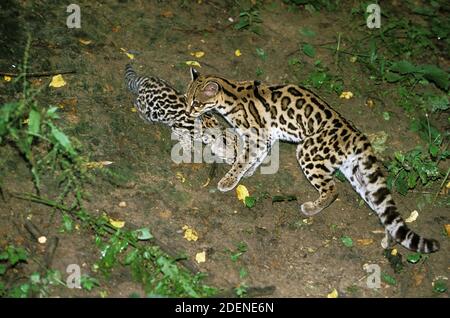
(301, 257)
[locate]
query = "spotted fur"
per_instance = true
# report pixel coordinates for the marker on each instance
(157, 101)
(263, 114)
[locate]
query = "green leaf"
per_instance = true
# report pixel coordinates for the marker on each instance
(62, 139)
(88, 283)
(401, 185)
(131, 257)
(309, 50)
(144, 234)
(436, 75)
(67, 223)
(403, 67)
(261, 53)
(318, 78)
(34, 122)
(412, 180)
(51, 113)
(440, 286)
(307, 32)
(243, 272)
(347, 241)
(250, 202)
(2, 269)
(392, 77)
(434, 150)
(388, 279)
(414, 258)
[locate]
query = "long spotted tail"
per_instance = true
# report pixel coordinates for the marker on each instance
(132, 80)
(366, 176)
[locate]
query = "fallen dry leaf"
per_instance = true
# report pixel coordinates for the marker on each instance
(364, 242)
(346, 95)
(117, 223)
(333, 294)
(198, 54)
(167, 14)
(57, 81)
(200, 257)
(418, 279)
(412, 217)
(190, 234)
(84, 42)
(193, 63)
(122, 204)
(180, 177)
(242, 193)
(447, 229)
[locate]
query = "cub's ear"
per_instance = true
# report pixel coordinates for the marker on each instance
(194, 74)
(211, 89)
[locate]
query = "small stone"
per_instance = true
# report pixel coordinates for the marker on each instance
(122, 204)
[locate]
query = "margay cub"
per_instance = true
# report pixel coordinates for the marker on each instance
(263, 114)
(158, 101)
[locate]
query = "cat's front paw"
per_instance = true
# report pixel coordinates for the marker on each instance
(227, 183)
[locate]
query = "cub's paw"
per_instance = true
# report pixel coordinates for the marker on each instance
(309, 209)
(227, 183)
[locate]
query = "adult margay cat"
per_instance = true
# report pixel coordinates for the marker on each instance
(263, 114)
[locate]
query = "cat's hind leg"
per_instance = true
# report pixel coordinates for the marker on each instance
(318, 168)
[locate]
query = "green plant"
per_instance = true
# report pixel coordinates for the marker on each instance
(249, 19)
(33, 130)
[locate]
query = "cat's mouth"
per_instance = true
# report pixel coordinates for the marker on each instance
(194, 110)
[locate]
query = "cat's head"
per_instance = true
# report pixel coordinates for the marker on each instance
(203, 94)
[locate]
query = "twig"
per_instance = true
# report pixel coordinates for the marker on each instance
(50, 251)
(33, 230)
(38, 74)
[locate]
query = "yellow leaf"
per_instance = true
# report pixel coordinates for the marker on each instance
(237, 53)
(447, 229)
(200, 257)
(7, 78)
(346, 95)
(133, 109)
(180, 177)
(364, 242)
(117, 223)
(130, 56)
(447, 186)
(333, 294)
(85, 42)
(57, 81)
(198, 54)
(193, 63)
(394, 252)
(413, 216)
(242, 193)
(190, 234)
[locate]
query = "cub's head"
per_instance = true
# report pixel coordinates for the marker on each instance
(202, 94)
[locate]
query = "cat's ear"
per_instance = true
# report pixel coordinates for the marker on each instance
(194, 74)
(211, 89)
